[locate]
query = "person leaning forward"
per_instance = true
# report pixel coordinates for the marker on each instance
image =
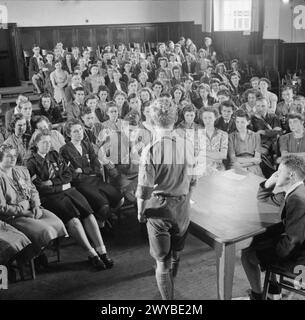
(163, 194)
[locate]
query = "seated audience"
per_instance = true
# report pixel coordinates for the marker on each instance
(17, 109)
(284, 107)
(216, 141)
(95, 80)
(116, 84)
(52, 177)
(268, 126)
(57, 139)
(92, 128)
(226, 121)
(244, 146)
(20, 204)
(74, 108)
(293, 143)
(87, 174)
(270, 97)
(50, 110)
(19, 139)
(250, 97)
(59, 79)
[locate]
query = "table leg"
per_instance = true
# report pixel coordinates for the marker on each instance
(225, 260)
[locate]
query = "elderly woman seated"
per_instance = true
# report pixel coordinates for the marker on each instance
(52, 177)
(20, 203)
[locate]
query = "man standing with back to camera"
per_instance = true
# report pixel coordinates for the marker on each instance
(163, 194)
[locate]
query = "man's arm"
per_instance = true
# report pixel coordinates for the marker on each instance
(265, 191)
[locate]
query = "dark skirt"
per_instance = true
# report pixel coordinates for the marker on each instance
(98, 193)
(67, 205)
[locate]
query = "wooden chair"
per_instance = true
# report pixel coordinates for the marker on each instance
(286, 280)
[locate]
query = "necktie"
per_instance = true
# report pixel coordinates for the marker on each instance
(51, 170)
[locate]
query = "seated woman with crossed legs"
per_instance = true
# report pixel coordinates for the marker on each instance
(52, 177)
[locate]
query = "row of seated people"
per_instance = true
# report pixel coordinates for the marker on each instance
(74, 175)
(54, 70)
(106, 129)
(264, 121)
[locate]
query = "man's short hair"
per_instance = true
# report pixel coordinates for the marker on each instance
(225, 93)
(226, 104)
(85, 110)
(163, 113)
(157, 82)
(79, 89)
(241, 114)
(295, 164)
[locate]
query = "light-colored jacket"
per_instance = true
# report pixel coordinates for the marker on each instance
(12, 201)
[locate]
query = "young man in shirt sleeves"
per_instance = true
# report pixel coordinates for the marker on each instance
(163, 194)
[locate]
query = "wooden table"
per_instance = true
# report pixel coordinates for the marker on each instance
(226, 215)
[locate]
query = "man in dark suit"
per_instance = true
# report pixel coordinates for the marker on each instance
(35, 68)
(284, 242)
(188, 66)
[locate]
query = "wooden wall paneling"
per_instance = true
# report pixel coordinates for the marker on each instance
(66, 36)
(83, 37)
(28, 38)
(150, 33)
(288, 57)
(187, 29)
(46, 38)
(102, 35)
(300, 57)
(92, 37)
(163, 32)
(271, 53)
(119, 34)
(174, 34)
(135, 34)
